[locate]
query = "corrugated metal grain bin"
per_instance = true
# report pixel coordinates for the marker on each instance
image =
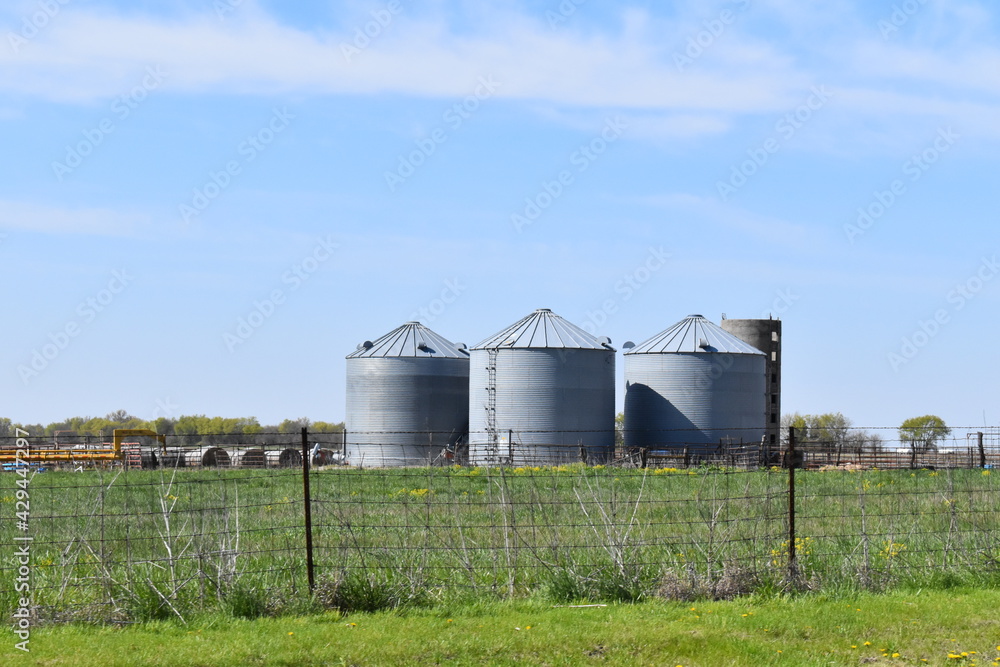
(407, 398)
(542, 391)
(693, 385)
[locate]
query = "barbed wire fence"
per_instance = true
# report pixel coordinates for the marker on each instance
(175, 528)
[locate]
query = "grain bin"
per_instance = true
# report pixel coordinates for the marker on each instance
(542, 391)
(693, 386)
(407, 398)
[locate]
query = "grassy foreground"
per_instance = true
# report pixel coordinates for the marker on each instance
(958, 627)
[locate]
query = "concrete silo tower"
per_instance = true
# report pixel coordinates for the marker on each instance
(765, 335)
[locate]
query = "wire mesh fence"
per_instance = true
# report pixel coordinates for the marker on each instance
(170, 527)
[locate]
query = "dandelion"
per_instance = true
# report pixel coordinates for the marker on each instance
(868, 643)
(892, 549)
(895, 655)
(290, 634)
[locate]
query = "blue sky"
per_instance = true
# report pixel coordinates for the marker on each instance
(172, 168)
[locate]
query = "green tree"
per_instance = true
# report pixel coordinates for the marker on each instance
(119, 416)
(326, 427)
(923, 434)
(830, 428)
(293, 425)
(190, 428)
(162, 425)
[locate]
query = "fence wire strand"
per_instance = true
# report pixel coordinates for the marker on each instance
(177, 528)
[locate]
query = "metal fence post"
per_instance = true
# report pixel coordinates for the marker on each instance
(791, 501)
(982, 452)
(307, 504)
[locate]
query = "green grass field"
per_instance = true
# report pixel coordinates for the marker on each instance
(148, 545)
(954, 627)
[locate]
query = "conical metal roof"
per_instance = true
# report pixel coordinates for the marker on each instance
(412, 339)
(544, 329)
(694, 334)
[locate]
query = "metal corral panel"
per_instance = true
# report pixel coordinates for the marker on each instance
(679, 398)
(553, 390)
(404, 410)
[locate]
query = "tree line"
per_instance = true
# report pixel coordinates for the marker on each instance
(188, 429)
(920, 434)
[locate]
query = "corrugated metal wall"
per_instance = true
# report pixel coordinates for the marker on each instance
(552, 401)
(404, 411)
(679, 399)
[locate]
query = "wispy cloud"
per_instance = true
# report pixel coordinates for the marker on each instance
(731, 218)
(85, 56)
(39, 218)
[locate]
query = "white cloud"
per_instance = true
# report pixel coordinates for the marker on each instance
(771, 230)
(85, 57)
(39, 218)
